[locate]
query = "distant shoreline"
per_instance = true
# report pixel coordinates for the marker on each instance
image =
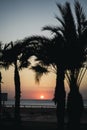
(30, 103)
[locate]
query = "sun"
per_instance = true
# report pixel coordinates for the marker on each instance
(42, 97)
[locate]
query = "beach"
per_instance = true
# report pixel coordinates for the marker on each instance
(38, 118)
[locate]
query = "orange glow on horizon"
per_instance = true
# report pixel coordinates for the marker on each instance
(42, 97)
(37, 94)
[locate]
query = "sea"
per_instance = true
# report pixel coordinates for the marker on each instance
(33, 103)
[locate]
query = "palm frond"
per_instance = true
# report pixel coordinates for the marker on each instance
(80, 15)
(50, 28)
(59, 31)
(60, 20)
(39, 71)
(34, 40)
(4, 65)
(68, 22)
(61, 9)
(82, 76)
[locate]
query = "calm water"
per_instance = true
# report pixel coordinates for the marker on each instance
(32, 103)
(35, 103)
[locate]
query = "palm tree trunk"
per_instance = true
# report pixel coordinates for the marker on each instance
(74, 105)
(17, 93)
(60, 98)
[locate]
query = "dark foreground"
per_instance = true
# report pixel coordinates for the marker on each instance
(36, 119)
(33, 125)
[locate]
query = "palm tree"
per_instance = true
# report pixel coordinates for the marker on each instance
(11, 55)
(64, 44)
(74, 100)
(45, 51)
(14, 54)
(1, 65)
(68, 41)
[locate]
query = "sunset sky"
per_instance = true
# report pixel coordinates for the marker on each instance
(23, 18)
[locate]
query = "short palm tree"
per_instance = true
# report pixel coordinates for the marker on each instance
(2, 65)
(14, 54)
(11, 55)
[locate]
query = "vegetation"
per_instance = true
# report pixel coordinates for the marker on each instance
(64, 54)
(69, 45)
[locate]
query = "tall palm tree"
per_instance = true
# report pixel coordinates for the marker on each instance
(77, 73)
(68, 41)
(65, 41)
(72, 35)
(58, 51)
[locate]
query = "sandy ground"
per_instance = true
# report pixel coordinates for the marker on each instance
(37, 118)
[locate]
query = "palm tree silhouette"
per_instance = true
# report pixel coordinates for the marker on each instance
(66, 51)
(45, 51)
(74, 100)
(2, 65)
(18, 54)
(11, 55)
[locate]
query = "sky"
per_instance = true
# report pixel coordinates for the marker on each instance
(23, 18)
